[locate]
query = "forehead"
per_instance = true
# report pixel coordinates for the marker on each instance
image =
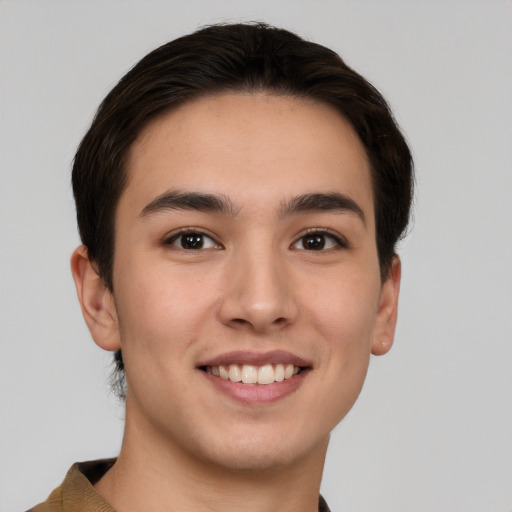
(255, 148)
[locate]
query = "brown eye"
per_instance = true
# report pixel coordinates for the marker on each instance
(319, 241)
(192, 241)
(313, 242)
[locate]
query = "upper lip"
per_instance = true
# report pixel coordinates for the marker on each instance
(255, 358)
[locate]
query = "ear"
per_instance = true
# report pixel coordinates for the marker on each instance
(385, 324)
(96, 301)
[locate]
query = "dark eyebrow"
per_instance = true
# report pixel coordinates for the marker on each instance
(332, 201)
(203, 202)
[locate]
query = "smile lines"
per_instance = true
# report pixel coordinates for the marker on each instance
(251, 374)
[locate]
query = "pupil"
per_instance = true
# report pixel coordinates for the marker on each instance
(314, 242)
(192, 241)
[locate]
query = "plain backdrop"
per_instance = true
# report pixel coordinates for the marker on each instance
(432, 430)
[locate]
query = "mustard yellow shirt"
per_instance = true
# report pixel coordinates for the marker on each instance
(77, 494)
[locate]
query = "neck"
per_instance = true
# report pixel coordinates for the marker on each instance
(152, 473)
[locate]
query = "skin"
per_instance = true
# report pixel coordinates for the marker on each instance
(256, 285)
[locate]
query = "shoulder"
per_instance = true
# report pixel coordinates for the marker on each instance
(52, 504)
(76, 493)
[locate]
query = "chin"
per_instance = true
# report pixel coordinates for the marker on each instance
(260, 454)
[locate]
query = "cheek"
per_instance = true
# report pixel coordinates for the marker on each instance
(161, 319)
(344, 310)
(161, 310)
(344, 318)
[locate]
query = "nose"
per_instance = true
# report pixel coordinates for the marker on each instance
(258, 293)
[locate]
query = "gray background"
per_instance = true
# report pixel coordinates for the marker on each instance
(432, 430)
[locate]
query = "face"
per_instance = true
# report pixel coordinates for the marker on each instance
(245, 249)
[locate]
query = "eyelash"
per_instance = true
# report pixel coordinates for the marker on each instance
(339, 241)
(170, 240)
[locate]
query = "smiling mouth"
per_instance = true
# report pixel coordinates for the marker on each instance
(252, 374)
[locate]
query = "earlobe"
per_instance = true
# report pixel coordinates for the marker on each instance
(388, 310)
(96, 301)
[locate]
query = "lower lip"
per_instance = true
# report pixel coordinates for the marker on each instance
(256, 393)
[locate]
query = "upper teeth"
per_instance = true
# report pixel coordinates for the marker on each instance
(249, 374)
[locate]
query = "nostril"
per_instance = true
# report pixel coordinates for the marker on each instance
(242, 322)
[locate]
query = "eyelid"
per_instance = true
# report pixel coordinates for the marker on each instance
(171, 237)
(340, 240)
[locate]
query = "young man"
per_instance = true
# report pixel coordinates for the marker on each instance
(239, 197)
